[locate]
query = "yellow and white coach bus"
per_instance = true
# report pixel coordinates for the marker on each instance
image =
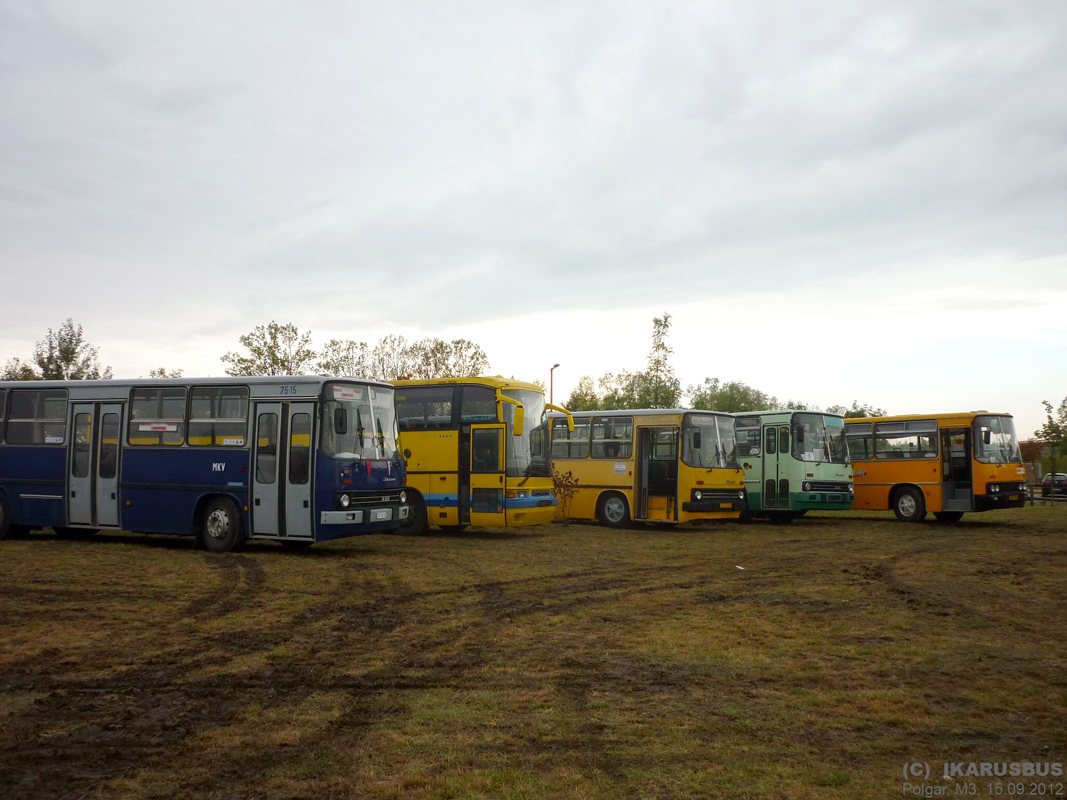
(945, 463)
(656, 465)
(476, 451)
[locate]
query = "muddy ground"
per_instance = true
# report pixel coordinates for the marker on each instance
(809, 660)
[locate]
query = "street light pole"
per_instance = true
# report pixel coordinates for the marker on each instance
(551, 383)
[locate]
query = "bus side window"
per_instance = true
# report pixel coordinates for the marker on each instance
(300, 449)
(109, 445)
(267, 448)
(485, 450)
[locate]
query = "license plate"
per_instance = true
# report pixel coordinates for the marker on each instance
(1014, 497)
(383, 514)
(726, 505)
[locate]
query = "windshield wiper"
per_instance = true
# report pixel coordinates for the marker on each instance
(359, 430)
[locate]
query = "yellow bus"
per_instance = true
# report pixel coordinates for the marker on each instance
(945, 463)
(476, 453)
(656, 465)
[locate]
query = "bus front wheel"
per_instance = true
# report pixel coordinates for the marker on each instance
(613, 511)
(221, 529)
(909, 505)
(416, 523)
(5, 519)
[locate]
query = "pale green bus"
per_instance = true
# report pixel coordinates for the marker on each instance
(794, 461)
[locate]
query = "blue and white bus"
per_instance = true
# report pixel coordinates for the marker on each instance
(294, 459)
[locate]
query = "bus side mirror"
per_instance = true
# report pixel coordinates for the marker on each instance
(696, 440)
(520, 420)
(340, 421)
(987, 436)
(800, 436)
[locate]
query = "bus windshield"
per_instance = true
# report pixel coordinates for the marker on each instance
(708, 441)
(527, 454)
(995, 442)
(819, 437)
(359, 422)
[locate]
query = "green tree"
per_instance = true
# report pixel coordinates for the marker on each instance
(62, 355)
(583, 397)
(272, 350)
(660, 387)
(857, 411)
(625, 390)
(732, 397)
(1054, 432)
(162, 372)
(18, 370)
(343, 357)
(390, 360)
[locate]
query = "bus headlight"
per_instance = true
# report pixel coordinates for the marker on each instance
(345, 501)
(806, 486)
(697, 495)
(403, 497)
(741, 494)
(851, 489)
(993, 487)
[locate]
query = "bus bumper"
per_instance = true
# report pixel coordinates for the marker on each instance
(357, 516)
(828, 501)
(988, 502)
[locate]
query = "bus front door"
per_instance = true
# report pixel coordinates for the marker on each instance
(775, 467)
(956, 493)
(281, 474)
(93, 493)
(487, 476)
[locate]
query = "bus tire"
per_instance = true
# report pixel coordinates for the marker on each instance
(416, 523)
(746, 516)
(948, 516)
(5, 519)
(221, 526)
(295, 545)
(780, 517)
(450, 529)
(909, 504)
(612, 511)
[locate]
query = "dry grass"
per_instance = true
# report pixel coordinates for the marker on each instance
(569, 662)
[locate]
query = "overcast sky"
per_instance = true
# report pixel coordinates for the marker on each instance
(861, 200)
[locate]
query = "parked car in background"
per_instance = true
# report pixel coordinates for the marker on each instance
(1054, 483)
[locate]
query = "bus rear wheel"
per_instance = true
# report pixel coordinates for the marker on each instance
(612, 512)
(780, 517)
(416, 523)
(221, 528)
(909, 505)
(948, 516)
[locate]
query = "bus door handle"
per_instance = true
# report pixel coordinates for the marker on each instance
(112, 495)
(501, 478)
(73, 493)
(257, 501)
(305, 504)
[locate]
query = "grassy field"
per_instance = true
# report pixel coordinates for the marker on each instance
(812, 660)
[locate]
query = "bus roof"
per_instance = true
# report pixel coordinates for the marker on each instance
(954, 416)
(228, 380)
(493, 381)
(639, 412)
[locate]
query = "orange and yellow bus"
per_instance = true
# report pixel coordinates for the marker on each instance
(655, 465)
(476, 451)
(945, 463)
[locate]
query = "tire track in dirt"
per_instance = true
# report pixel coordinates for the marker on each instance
(240, 580)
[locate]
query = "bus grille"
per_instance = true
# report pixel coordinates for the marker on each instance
(829, 486)
(373, 498)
